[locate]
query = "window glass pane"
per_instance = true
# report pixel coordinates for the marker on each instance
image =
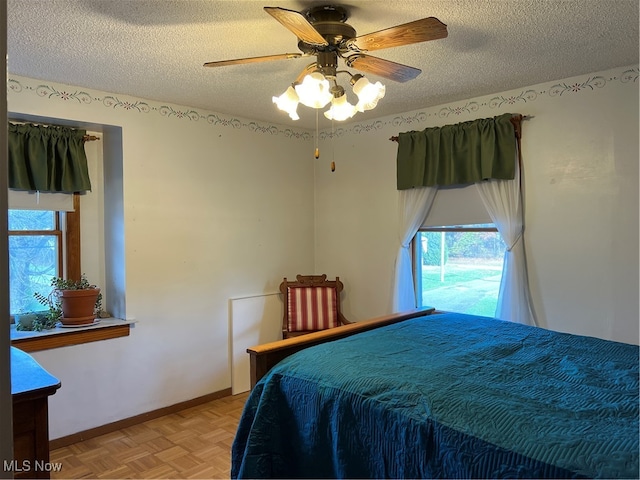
(33, 261)
(32, 220)
(461, 270)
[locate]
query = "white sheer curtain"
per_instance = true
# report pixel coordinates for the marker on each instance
(413, 207)
(503, 201)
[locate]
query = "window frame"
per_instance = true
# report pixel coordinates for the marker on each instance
(416, 258)
(67, 231)
(57, 232)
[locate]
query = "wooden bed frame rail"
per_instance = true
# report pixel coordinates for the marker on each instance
(263, 357)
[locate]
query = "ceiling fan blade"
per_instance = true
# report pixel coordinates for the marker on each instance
(266, 58)
(298, 24)
(384, 68)
(413, 32)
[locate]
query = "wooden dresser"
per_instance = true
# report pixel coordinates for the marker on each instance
(31, 386)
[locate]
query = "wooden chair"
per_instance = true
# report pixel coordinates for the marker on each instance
(311, 303)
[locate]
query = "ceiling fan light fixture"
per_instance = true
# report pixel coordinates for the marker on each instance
(288, 102)
(314, 91)
(340, 109)
(323, 32)
(368, 93)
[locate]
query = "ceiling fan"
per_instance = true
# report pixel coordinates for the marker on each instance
(322, 32)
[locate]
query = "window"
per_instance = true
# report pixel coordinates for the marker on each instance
(43, 243)
(459, 268)
(35, 256)
(99, 212)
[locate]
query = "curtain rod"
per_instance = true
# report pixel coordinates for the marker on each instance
(85, 138)
(517, 117)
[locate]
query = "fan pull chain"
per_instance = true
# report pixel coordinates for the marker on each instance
(333, 149)
(316, 153)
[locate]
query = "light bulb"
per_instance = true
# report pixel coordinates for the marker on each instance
(288, 102)
(340, 109)
(368, 93)
(314, 91)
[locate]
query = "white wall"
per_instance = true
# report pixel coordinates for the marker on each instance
(214, 208)
(580, 154)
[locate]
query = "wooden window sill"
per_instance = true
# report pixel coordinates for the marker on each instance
(64, 337)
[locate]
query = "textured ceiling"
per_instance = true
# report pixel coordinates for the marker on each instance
(154, 49)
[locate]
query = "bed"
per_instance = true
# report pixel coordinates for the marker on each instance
(441, 396)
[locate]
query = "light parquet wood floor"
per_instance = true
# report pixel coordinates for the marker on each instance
(192, 443)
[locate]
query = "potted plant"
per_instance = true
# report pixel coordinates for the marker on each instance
(72, 302)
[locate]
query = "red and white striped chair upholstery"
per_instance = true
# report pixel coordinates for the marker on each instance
(312, 303)
(312, 308)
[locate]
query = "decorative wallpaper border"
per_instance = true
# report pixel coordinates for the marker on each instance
(552, 89)
(50, 92)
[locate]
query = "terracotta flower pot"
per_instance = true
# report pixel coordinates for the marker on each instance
(78, 306)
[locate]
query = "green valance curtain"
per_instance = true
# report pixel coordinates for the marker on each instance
(47, 159)
(460, 154)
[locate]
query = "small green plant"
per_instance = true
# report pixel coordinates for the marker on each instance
(36, 321)
(52, 301)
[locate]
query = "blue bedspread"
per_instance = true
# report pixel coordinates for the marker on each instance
(446, 396)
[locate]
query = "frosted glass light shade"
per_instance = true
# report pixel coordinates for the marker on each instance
(340, 109)
(314, 91)
(288, 102)
(368, 94)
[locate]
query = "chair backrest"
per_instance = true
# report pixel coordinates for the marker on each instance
(311, 303)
